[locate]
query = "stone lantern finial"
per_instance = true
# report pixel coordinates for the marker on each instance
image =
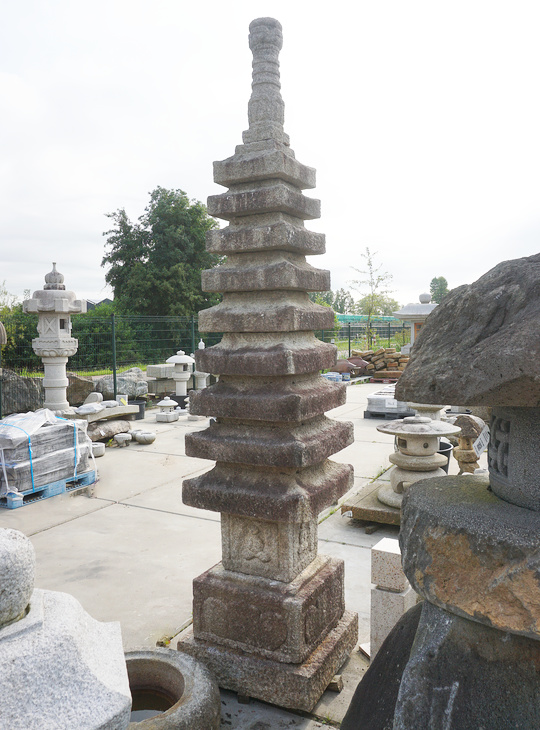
(54, 279)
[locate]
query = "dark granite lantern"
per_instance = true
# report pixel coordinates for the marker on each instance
(473, 550)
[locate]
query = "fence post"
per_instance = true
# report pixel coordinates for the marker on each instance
(322, 335)
(349, 339)
(113, 341)
(192, 333)
(389, 334)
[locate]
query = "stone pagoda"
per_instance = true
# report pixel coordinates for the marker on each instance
(269, 620)
(472, 550)
(54, 306)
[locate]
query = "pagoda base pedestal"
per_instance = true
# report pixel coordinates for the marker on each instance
(295, 686)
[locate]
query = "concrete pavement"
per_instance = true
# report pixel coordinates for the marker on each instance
(130, 552)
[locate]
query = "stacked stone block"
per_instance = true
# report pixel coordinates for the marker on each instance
(269, 620)
(385, 362)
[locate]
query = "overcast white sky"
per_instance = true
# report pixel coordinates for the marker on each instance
(421, 118)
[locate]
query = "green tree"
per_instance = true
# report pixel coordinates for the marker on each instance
(377, 305)
(155, 264)
(373, 287)
(343, 302)
(438, 288)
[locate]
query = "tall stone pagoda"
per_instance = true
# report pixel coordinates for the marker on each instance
(269, 620)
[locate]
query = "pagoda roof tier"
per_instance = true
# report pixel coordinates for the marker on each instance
(278, 311)
(295, 445)
(264, 164)
(265, 271)
(293, 398)
(271, 494)
(277, 197)
(283, 236)
(273, 354)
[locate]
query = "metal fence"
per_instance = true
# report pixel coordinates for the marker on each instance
(115, 343)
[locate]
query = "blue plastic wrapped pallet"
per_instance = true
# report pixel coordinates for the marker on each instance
(39, 448)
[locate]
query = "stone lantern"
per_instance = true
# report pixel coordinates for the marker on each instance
(54, 306)
(415, 315)
(183, 368)
(472, 551)
(167, 412)
(417, 440)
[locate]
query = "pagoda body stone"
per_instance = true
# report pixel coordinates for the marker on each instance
(54, 306)
(472, 550)
(269, 620)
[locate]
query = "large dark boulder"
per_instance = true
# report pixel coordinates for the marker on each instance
(481, 345)
(21, 394)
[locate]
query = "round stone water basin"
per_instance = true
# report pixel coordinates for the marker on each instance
(171, 690)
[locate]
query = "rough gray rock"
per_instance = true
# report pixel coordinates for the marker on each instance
(105, 430)
(20, 395)
(17, 564)
(132, 382)
(480, 345)
(79, 389)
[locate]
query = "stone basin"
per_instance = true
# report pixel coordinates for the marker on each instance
(189, 687)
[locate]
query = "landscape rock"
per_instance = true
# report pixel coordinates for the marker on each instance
(20, 395)
(79, 389)
(132, 382)
(472, 349)
(17, 564)
(105, 430)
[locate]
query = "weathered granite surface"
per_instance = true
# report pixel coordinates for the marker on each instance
(476, 347)
(59, 668)
(373, 703)
(131, 383)
(269, 619)
(467, 551)
(462, 675)
(17, 564)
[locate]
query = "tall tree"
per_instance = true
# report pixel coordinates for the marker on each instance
(343, 302)
(378, 305)
(373, 287)
(155, 264)
(438, 288)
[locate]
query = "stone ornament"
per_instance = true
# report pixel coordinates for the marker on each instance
(182, 371)
(269, 620)
(54, 306)
(417, 440)
(58, 667)
(472, 550)
(465, 455)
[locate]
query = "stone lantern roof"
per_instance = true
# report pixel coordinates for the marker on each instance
(54, 297)
(416, 312)
(481, 344)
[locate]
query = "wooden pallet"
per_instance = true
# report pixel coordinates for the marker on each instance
(13, 500)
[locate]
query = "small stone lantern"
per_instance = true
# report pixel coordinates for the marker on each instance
(464, 453)
(54, 306)
(417, 440)
(415, 315)
(183, 368)
(167, 413)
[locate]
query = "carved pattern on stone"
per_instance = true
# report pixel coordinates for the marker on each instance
(254, 542)
(499, 446)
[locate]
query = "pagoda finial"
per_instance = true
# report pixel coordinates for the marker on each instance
(266, 110)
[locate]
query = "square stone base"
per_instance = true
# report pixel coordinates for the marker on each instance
(296, 686)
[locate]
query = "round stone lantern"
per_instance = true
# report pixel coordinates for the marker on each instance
(417, 440)
(54, 306)
(167, 412)
(183, 368)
